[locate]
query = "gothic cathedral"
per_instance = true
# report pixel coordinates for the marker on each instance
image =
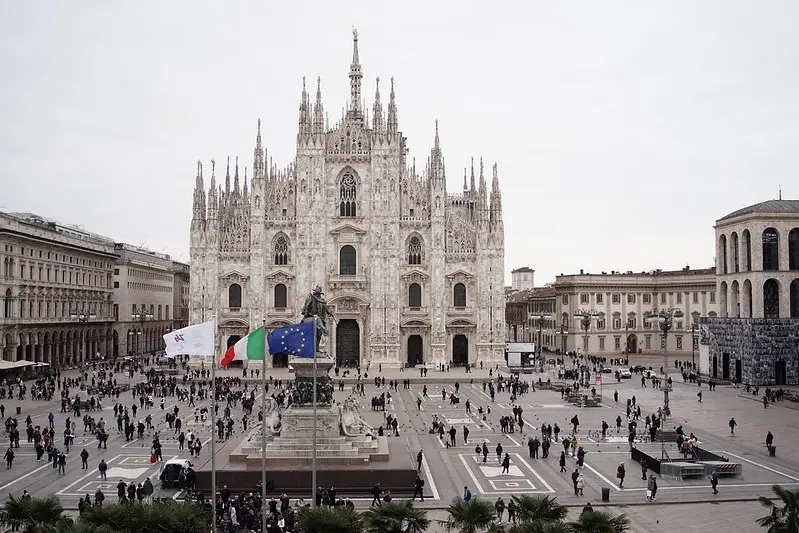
(413, 274)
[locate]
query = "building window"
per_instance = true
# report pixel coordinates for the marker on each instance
(584, 299)
(7, 302)
(347, 261)
(116, 272)
(617, 323)
(616, 299)
(601, 343)
(166, 312)
(585, 344)
(415, 295)
(679, 297)
(281, 250)
(723, 253)
(281, 296)
(662, 298)
(116, 284)
(747, 251)
(631, 322)
(696, 297)
(648, 342)
(598, 297)
(735, 249)
(647, 299)
(793, 249)
(600, 323)
(679, 324)
(679, 342)
(347, 205)
(771, 249)
(565, 299)
(712, 297)
(414, 251)
(617, 343)
(234, 296)
(160, 317)
(771, 299)
(459, 295)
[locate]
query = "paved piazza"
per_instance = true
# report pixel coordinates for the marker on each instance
(448, 470)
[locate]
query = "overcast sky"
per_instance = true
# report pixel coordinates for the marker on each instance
(622, 130)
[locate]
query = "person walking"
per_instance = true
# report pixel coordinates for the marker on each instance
(499, 506)
(643, 468)
(620, 473)
(499, 452)
(103, 468)
(580, 483)
(714, 481)
(84, 458)
(732, 425)
(506, 464)
(419, 457)
(562, 462)
(651, 488)
(9, 457)
(575, 476)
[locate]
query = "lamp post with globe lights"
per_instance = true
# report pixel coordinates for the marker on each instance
(665, 319)
(82, 317)
(586, 316)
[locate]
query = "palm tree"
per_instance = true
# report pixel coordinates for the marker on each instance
(539, 509)
(599, 522)
(396, 517)
(470, 517)
(168, 515)
(785, 518)
(329, 520)
(37, 515)
(539, 526)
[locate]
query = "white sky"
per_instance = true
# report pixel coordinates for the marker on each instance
(622, 129)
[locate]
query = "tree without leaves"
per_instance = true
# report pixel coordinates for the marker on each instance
(784, 518)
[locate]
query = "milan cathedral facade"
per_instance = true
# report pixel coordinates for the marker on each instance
(413, 274)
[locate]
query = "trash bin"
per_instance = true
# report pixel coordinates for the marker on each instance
(772, 450)
(19, 410)
(605, 494)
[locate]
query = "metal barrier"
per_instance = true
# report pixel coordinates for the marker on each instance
(723, 468)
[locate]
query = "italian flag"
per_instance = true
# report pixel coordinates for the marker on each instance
(250, 348)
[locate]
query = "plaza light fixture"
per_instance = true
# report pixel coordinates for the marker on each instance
(665, 319)
(586, 316)
(141, 318)
(540, 317)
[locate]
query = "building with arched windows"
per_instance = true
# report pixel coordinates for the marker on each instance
(755, 339)
(414, 274)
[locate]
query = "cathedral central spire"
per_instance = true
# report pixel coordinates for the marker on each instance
(355, 110)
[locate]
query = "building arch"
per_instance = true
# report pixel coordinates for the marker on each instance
(8, 304)
(746, 251)
(281, 296)
(771, 249)
(794, 296)
(723, 299)
(746, 299)
(281, 249)
(735, 302)
(771, 298)
(723, 254)
(348, 192)
(347, 260)
(459, 295)
(793, 249)
(234, 296)
(735, 252)
(414, 295)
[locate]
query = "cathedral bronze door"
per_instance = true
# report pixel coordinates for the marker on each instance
(460, 350)
(415, 351)
(348, 343)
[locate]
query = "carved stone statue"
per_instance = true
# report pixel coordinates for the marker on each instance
(352, 422)
(316, 308)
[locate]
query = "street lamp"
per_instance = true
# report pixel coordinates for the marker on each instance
(141, 318)
(540, 317)
(694, 344)
(665, 319)
(82, 317)
(586, 316)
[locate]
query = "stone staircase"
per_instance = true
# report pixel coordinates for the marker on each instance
(298, 451)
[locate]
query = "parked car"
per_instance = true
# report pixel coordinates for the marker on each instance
(606, 370)
(624, 373)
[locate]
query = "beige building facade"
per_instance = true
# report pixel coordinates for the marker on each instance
(619, 302)
(143, 285)
(180, 295)
(56, 291)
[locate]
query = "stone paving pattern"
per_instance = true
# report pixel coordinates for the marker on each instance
(448, 470)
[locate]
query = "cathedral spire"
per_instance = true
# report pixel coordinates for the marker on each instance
(212, 192)
(473, 188)
(227, 177)
(496, 198)
(465, 186)
(436, 160)
(355, 110)
(392, 126)
(245, 194)
(318, 109)
(258, 155)
(236, 178)
(305, 111)
(198, 213)
(377, 109)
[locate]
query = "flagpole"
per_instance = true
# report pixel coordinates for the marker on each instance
(263, 432)
(213, 432)
(313, 445)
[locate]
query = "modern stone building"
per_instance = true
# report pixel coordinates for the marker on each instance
(56, 291)
(620, 301)
(413, 273)
(144, 283)
(755, 339)
(531, 317)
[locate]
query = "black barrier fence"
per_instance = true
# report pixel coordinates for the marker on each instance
(653, 463)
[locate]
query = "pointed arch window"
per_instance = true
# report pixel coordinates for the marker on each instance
(281, 251)
(281, 296)
(414, 251)
(459, 295)
(234, 296)
(349, 192)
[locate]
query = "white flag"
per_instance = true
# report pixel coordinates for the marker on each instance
(193, 340)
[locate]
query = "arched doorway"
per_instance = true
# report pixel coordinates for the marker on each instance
(795, 298)
(460, 350)
(632, 344)
(233, 339)
(348, 343)
(415, 356)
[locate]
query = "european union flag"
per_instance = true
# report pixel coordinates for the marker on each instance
(296, 339)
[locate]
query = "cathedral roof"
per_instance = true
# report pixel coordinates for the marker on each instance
(787, 207)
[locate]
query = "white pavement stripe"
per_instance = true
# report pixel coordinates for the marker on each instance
(762, 466)
(512, 439)
(471, 474)
(433, 487)
(95, 472)
(606, 480)
(536, 474)
(707, 487)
